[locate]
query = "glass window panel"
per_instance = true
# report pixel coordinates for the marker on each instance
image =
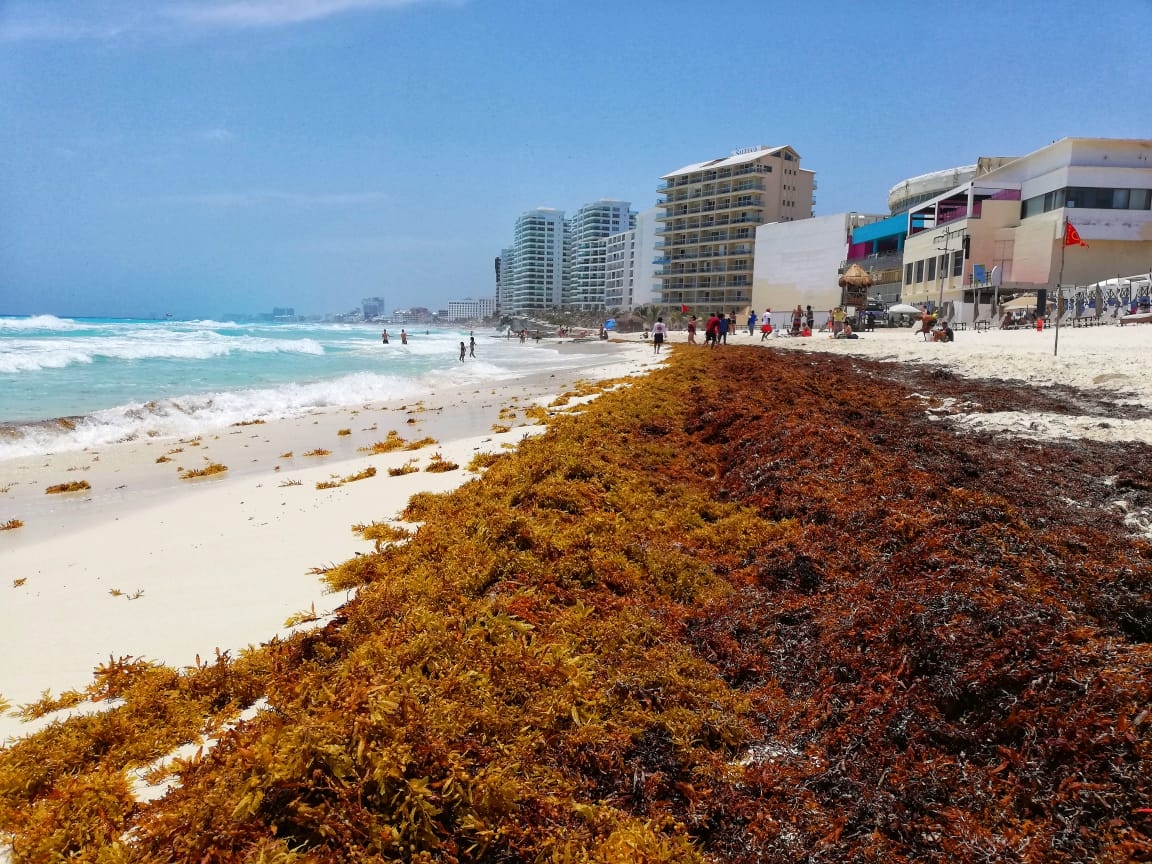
(1139, 199)
(1120, 199)
(919, 271)
(931, 269)
(958, 262)
(907, 274)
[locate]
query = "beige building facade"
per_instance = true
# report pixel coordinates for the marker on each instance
(707, 235)
(1003, 232)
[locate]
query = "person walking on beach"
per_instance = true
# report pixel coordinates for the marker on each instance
(403, 337)
(809, 316)
(751, 321)
(692, 330)
(797, 318)
(462, 351)
(722, 329)
(712, 330)
(471, 346)
(658, 331)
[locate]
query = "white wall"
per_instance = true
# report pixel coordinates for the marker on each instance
(799, 262)
(644, 273)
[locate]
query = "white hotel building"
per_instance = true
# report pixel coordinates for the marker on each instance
(588, 229)
(471, 310)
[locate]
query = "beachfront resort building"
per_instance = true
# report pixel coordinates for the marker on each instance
(532, 270)
(471, 310)
(587, 233)
(706, 251)
(1004, 231)
(630, 271)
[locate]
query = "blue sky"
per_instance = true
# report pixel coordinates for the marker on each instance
(201, 157)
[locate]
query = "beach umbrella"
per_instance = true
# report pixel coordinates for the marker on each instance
(902, 309)
(610, 324)
(1025, 301)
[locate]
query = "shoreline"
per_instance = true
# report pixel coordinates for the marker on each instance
(149, 565)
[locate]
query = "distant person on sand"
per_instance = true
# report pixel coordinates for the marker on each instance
(384, 337)
(403, 337)
(471, 346)
(692, 330)
(712, 330)
(751, 321)
(722, 328)
(658, 331)
(463, 350)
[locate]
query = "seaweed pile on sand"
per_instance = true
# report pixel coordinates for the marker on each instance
(755, 607)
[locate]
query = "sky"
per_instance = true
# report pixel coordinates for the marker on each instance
(206, 157)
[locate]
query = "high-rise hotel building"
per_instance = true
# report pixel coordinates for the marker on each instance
(707, 236)
(532, 275)
(588, 229)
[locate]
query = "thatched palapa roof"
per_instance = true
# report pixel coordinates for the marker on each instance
(855, 277)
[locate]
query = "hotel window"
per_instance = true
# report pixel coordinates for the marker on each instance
(908, 274)
(931, 269)
(958, 262)
(919, 271)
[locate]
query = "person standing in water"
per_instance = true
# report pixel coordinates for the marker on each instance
(403, 337)
(384, 337)
(471, 346)
(462, 351)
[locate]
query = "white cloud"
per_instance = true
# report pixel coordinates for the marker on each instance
(96, 20)
(273, 13)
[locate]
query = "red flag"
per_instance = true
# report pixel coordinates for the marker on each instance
(1072, 236)
(684, 309)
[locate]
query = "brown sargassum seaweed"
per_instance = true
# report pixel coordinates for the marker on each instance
(755, 607)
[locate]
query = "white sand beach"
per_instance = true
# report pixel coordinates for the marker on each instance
(147, 564)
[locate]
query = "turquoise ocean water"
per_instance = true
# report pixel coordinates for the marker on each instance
(69, 383)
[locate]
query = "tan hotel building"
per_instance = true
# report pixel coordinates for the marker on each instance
(706, 239)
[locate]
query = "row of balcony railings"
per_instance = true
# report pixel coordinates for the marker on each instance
(712, 192)
(689, 284)
(685, 224)
(695, 270)
(734, 252)
(753, 201)
(713, 176)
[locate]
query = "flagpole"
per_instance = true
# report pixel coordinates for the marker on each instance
(1059, 282)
